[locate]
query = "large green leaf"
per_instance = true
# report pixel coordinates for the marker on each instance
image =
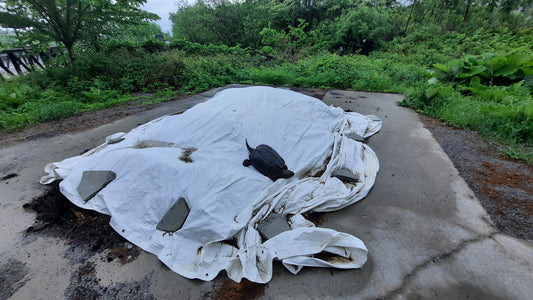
(506, 70)
(442, 67)
(473, 71)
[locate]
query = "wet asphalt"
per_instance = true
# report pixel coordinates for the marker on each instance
(428, 236)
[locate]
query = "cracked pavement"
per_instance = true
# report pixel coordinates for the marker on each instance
(428, 236)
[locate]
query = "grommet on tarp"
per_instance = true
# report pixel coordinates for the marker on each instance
(94, 181)
(175, 216)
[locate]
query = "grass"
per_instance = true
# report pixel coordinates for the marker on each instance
(103, 80)
(518, 152)
(333, 71)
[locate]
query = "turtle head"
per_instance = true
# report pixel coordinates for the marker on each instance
(286, 173)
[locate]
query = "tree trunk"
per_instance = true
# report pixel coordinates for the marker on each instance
(465, 17)
(409, 18)
(96, 44)
(70, 51)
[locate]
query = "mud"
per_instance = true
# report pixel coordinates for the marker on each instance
(316, 93)
(186, 156)
(86, 232)
(332, 258)
(503, 186)
(84, 285)
(316, 218)
(123, 254)
(243, 290)
(12, 275)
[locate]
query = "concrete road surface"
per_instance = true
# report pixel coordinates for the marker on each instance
(428, 236)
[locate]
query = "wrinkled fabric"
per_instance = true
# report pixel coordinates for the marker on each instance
(198, 155)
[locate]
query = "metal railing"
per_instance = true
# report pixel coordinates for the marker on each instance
(18, 61)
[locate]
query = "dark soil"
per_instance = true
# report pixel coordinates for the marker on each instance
(85, 286)
(316, 218)
(12, 274)
(316, 93)
(237, 290)
(503, 186)
(87, 232)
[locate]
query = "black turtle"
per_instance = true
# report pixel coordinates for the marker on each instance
(268, 162)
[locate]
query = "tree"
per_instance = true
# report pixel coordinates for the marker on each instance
(363, 28)
(72, 21)
(209, 21)
(141, 33)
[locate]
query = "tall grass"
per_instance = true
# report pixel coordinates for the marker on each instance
(106, 79)
(335, 71)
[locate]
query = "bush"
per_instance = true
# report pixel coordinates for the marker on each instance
(489, 93)
(205, 72)
(362, 29)
(200, 49)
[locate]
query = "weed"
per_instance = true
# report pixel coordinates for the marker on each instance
(490, 93)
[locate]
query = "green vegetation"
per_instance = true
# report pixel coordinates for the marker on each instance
(468, 63)
(490, 93)
(72, 21)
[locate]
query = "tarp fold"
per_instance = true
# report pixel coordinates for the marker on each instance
(198, 155)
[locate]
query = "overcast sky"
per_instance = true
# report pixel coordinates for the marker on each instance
(163, 8)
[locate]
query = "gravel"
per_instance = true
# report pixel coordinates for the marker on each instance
(503, 186)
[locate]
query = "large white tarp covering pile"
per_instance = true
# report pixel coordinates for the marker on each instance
(226, 199)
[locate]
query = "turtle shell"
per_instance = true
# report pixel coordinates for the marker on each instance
(268, 162)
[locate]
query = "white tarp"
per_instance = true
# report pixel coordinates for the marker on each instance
(226, 199)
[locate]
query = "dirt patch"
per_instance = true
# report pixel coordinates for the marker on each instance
(87, 232)
(186, 155)
(316, 218)
(316, 93)
(503, 186)
(12, 274)
(243, 290)
(85, 285)
(81, 122)
(332, 258)
(124, 254)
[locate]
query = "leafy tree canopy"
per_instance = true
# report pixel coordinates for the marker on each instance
(72, 21)
(349, 26)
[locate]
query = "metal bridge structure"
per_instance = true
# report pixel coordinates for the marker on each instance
(18, 61)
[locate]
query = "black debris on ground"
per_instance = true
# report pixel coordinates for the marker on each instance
(87, 232)
(9, 176)
(230, 289)
(84, 285)
(12, 275)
